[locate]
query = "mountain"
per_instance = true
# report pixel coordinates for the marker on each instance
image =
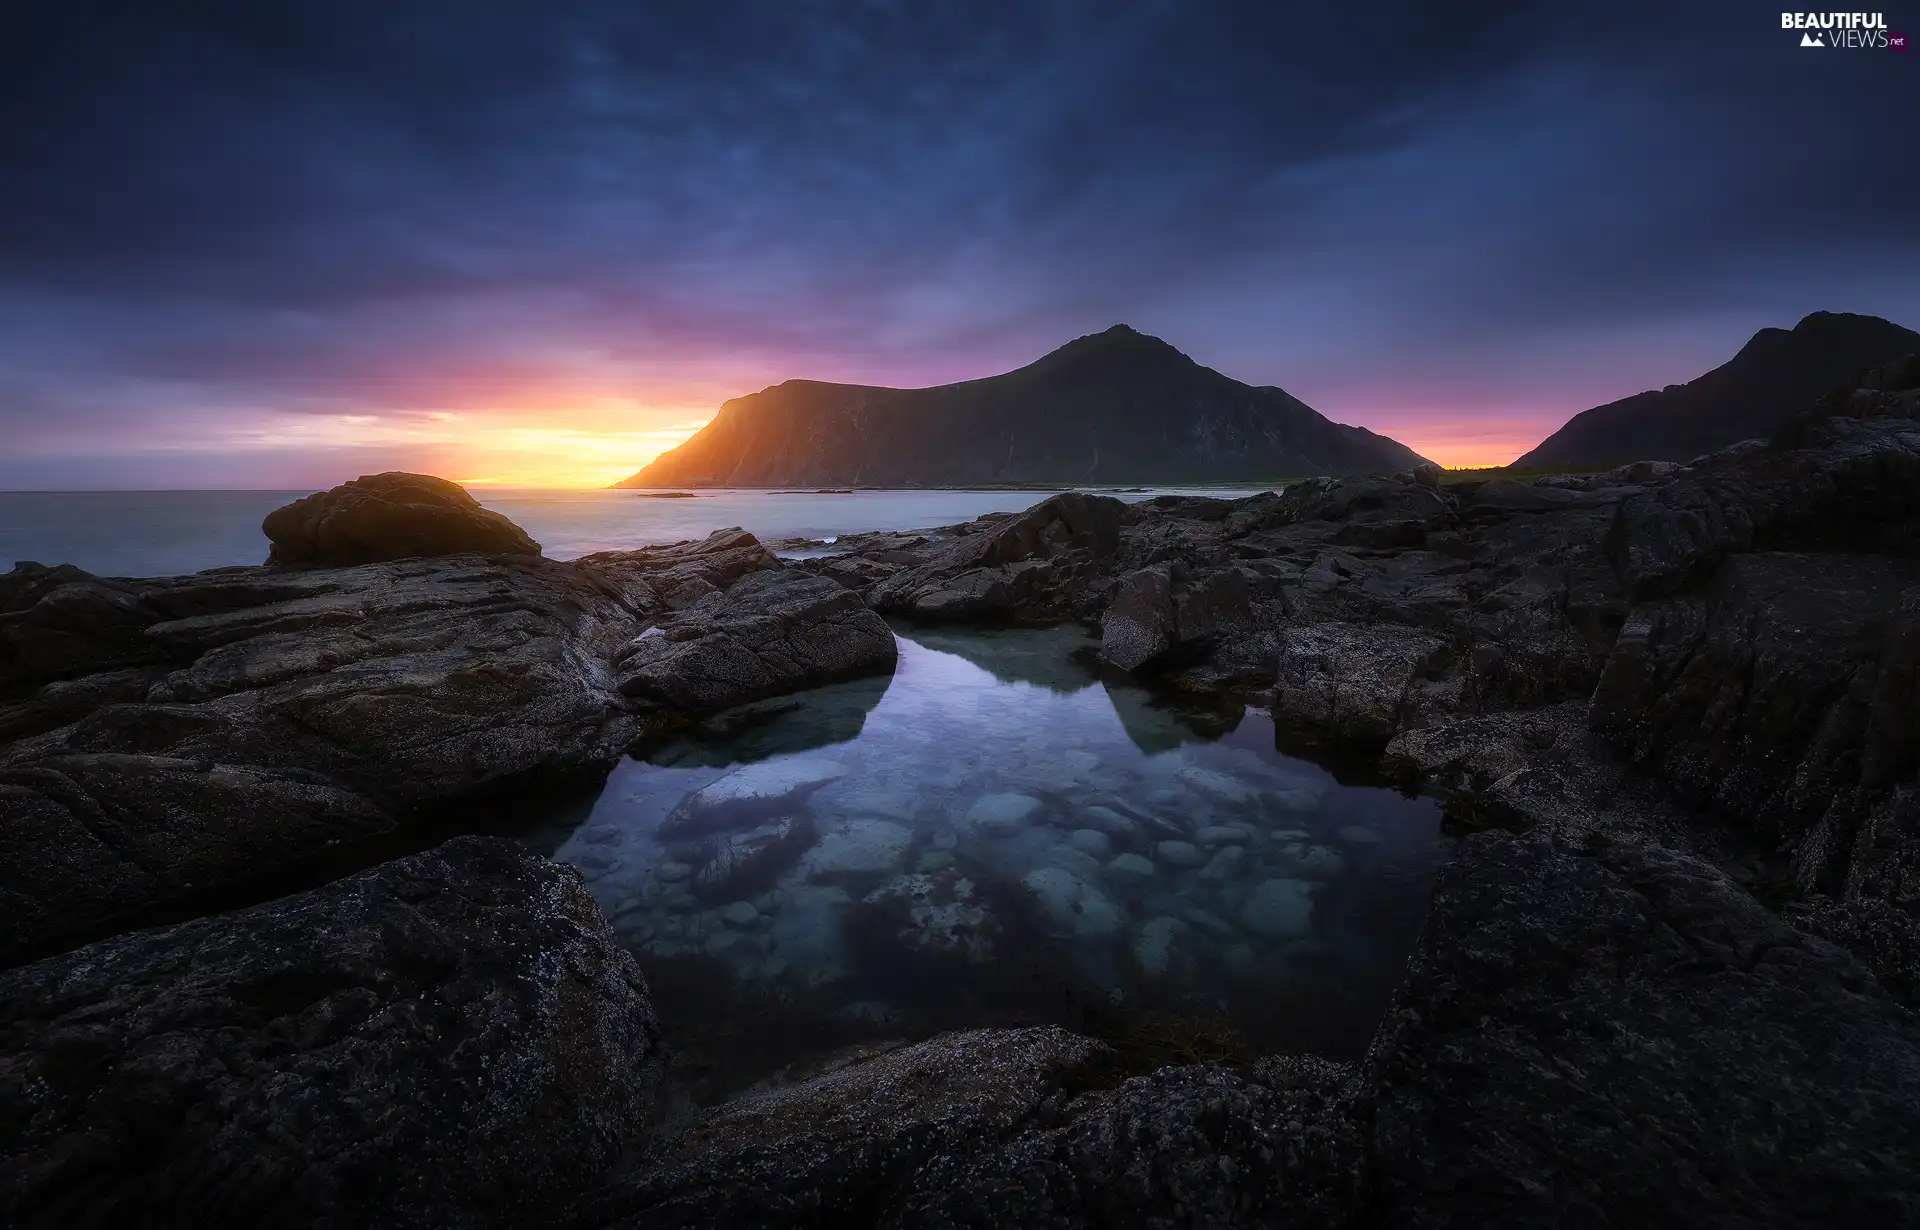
(1775, 376)
(1113, 407)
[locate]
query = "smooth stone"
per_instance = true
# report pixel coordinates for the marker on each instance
(1294, 800)
(860, 846)
(934, 860)
(1222, 834)
(1110, 822)
(886, 797)
(741, 914)
(1291, 836)
(1309, 862)
(673, 873)
(1278, 909)
(1358, 835)
(1155, 947)
(719, 942)
(1179, 854)
(1241, 960)
(1225, 866)
(1079, 862)
(1079, 764)
(1074, 904)
(764, 782)
(1130, 869)
(1093, 842)
(1221, 787)
(1206, 920)
(1002, 814)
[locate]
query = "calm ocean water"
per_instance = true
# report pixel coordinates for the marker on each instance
(161, 533)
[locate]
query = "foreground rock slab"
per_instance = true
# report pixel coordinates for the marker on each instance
(447, 1039)
(989, 1128)
(1627, 1038)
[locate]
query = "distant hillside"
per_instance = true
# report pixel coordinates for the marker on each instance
(1113, 407)
(1776, 375)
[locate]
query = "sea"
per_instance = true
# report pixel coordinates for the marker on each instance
(166, 533)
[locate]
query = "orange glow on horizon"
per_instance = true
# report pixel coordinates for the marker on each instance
(1464, 443)
(592, 443)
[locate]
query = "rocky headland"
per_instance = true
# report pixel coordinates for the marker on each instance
(1668, 978)
(1112, 407)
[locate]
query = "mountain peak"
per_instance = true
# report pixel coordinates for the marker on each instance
(1116, 340)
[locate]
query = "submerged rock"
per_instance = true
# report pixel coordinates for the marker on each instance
(1073, 904)
(1278, 909)
(1002, 815)
(1092, 842)
(856, 847)
(1183, 854)
(445, 1039)
(939, 914)
(1158, 949)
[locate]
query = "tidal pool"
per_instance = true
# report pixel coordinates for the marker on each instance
(994, 835)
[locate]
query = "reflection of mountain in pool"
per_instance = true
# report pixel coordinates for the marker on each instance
(824, 716)
(1043, 657)
(1158, 725)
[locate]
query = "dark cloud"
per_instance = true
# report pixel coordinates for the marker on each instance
(223, 210)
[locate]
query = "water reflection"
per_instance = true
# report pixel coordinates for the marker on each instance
(988, 836)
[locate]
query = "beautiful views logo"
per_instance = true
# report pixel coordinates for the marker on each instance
(1843, 30)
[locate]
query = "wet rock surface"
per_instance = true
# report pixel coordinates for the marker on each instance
(452, 1038)
(171, 734)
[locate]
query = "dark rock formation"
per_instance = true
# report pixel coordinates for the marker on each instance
(1031, 568)
(1114, 407)
(1007, 1128)
(772, 632)
(824, 1152)
(1627, 1038)
(451, 1039)
(1776, 376)
(389, 516)
(230, 723)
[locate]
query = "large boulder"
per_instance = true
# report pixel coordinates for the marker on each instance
(395, 515)
(451, 1039)
(1167, 612)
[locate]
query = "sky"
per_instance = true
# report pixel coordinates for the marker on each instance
(280, 245)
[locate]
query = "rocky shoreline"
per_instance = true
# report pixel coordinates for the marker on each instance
(1669, 975)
